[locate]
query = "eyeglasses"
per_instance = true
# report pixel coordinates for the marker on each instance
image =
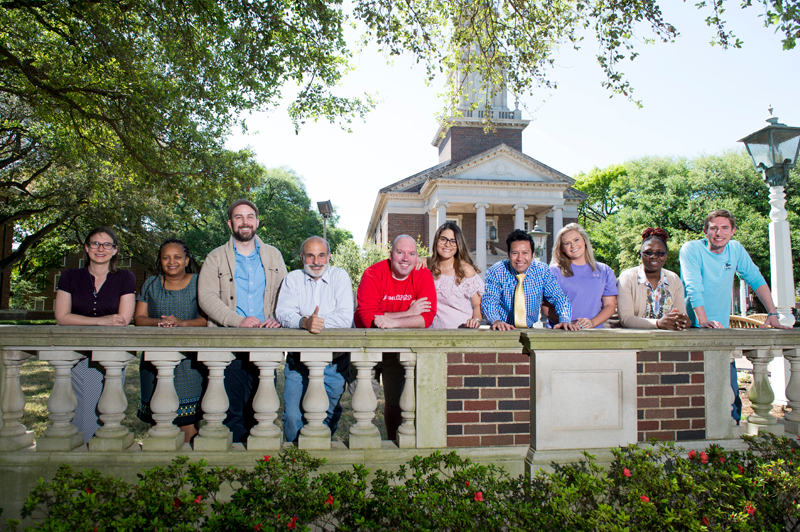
(657, 254)
(104, 245)
(451, 241)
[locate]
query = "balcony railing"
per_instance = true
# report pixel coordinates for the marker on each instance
(522, 399)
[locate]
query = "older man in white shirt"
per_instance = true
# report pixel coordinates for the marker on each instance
(315, 298)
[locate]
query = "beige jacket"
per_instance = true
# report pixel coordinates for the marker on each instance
(216, 287)
(632, 298)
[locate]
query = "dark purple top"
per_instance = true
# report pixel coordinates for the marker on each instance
(79, 283)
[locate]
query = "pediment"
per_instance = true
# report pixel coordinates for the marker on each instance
(504, 163)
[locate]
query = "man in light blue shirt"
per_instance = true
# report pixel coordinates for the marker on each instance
(315, 298)
(707, 269)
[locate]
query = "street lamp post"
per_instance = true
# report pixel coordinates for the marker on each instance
(326, 210)
(774, 151)
(539, 241)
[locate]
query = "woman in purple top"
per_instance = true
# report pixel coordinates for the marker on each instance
(98, 294)
(459, 288)
(591, 286)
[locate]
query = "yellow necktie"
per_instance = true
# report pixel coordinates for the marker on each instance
(520, 316)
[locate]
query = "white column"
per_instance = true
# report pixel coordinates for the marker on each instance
(519, 215)
(480, 237)
(441, 213)
(780, 253)
(432, 227)
(214, 436)
(743, 297)
(61, 435)
(761, 394)
(112, 436)
(406, 432)
(558, 219)
(14, 435)
(792, 419)
(266, 436)
(364, 435)
(315, 434)
(164, 435)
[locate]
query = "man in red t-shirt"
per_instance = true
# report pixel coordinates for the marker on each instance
(393, 294)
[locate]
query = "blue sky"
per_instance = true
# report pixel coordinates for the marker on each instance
(698, 99)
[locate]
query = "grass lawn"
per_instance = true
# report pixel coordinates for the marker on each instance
(37, 382)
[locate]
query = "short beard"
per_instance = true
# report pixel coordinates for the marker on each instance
(241, 238)
(311, 273)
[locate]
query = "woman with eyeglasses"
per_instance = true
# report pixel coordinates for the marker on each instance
(650, 296)
(97, 294)
(459, 288)
(169, 299)
(591, 286)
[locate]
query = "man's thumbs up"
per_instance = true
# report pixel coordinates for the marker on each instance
(314, 323)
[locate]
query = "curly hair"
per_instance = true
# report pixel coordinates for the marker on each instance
(461, 257)
(561, 259)
(655, 233)
(192, 267)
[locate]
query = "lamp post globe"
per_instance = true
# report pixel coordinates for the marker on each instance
(539, 241)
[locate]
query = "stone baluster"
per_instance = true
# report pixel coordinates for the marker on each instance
(112, 436)
(266, 435)
(364, 434)
(760, 393)
(61, 435)
(315, 434)
(14, 435)
(792, 418)
(164, 435)
(406, 432)
(214, 436)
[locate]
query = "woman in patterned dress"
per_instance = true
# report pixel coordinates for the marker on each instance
(459, 288)
(97, 294)
(169, 299)
(650, 296)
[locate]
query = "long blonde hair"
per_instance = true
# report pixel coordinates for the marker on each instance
(561, 260)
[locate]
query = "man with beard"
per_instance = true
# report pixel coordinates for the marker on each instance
(238, 287)
(315, 298)
(394, 294)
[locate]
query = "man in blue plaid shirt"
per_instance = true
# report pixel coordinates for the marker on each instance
(514, 289)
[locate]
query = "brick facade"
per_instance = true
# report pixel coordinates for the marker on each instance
(464, 142)
(488, 399)
(671, 395)
(414, 225)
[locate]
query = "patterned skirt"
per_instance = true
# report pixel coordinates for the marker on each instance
(189, 384)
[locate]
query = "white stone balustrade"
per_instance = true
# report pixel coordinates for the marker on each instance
(761, 394)
(164, 435)
(406, 432)
(61, 435)
(792, 418)
(364, 434)
(266, 435)
(214, 436)
(14, 435)
(315, 434)
(112, 436)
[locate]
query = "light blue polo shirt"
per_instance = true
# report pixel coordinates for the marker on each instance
(251, 283)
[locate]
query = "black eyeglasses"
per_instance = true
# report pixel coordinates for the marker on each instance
(443, 241)
(651, 254)
(105, 245)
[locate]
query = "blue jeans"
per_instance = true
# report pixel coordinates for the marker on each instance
(736, 407)
(296, 375)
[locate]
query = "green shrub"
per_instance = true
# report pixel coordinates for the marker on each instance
(652, 487)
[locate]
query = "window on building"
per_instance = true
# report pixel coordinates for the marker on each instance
(492, 229)
(80, 263)
(455, 219)
(123, 261)
(38, 303)
(56, 279)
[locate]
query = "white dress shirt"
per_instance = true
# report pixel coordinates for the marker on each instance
(300, 294)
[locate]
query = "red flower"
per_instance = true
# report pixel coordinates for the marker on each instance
(89, 491)
(199, 499)
(292, 521)
(645, 498)
(703, 457)
(266, 458)
(626, 472)
(95, 529)
(692, 454)
(705, 521)
(750, 509)
(257, 527)
(466, 483)
(722, 460)
(478, 496)
(330, 500)
(176, 502)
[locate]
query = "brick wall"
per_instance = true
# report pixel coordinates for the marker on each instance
(414, 225)
(464, 142)
(488, 399)
(671, 395)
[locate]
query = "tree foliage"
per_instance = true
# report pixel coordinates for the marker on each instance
(677, 194)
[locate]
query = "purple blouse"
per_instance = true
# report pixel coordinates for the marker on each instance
(453, 301)
(79, 283)
(586, 288)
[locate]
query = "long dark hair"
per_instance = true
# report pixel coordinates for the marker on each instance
(112, 264)
(191, 267)
(460, 258)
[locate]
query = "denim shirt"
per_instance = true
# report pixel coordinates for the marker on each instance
(251, 284)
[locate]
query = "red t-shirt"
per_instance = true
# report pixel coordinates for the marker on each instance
(380, 293)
